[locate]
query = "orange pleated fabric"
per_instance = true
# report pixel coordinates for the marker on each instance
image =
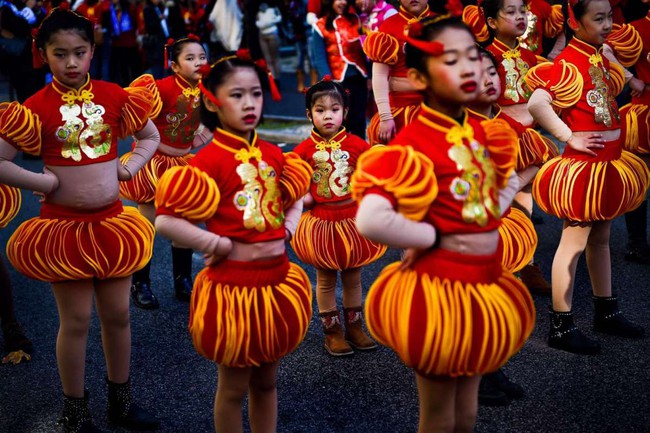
(443, 325)
(327, 238)
(636, 128)
(244, 314)
(20, 127)
(517, 240)
(10, 201)
(534, 149)
(627, 44)
(294, 179)
(404, 107)
(142, 188)
(68, 244)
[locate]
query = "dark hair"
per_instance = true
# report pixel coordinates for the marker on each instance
(327, 11)
(327, 88)
(483, 52)
(64, 19)
(177, 47)
(579, 10)
(431, 28)
(219, 73)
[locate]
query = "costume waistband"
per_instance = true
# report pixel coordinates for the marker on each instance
(402, 99)
(610, 152)
(56, 211)
(468, 268)
(251, 274)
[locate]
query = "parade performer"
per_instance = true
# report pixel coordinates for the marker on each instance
(326, 236)
(84, 242)
(594, 180)
(449, 309)
(250, 306)
(176, 116)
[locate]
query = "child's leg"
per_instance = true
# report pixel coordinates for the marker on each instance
(112, 299)
(74, 300)
(231, 389)
(437, 400)
(6, 295)
(263, 399)
(148, 210)
(16, 342)
(354, 334)
(572, 244)
(326, 290)
(330, 316)
(466, 403)
(141, 293)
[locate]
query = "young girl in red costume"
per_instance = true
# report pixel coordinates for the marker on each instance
(249, 306)
(439, 189)
(326, 236)
(177, 118)
(507, 21)
(84, 242)
(594, 180)
(397, 100)
(337, 52)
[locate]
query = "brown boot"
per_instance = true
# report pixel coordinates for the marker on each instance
(354, 333)
(335, 343)
(531, 276)
(313, 75)
(300, 77)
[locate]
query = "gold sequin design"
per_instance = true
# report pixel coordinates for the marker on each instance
(530, 39)
(476, 185)
(600, 98)
(516, 69)
(331, 177)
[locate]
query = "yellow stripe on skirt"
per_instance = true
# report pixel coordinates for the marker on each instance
(451, 314)
(245, 314)
(517, 240)
(142, 188)
(10, 200)
(534, 149)
(327, 238)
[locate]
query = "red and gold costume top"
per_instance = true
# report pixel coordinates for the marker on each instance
(583, 84)
(387, 44)
(69, 126)
(514, 64)
(178, 118)
(441, 171)
(642, 66)
(343, 45)
(627, 44)
(333, 162)
(255, 181)
(544, 21)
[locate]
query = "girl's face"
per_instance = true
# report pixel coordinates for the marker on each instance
(69, 56)
(340, 6)
(327, 114)
(452, 79)
(490, 84)
(414, 7)
(190, 59)
(596, 24)
(511, 20)
(241, 100)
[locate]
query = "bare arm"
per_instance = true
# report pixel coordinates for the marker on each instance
(507, 194)
(148, 139)
(291, 218)
(184, 233)
(380, 72)
(14, 175)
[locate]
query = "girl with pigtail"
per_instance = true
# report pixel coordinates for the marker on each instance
(250, 306)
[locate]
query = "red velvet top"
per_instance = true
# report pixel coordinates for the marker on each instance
(513, 66)
(333, 161)
(248, 177)
(77, 127)
(178, 120)
(643, 66)
(517, 126)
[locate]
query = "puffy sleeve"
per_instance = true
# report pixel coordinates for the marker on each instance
(294, 180)
(627, 44)
(617, 76)
(554, 23)
(20, 127)
(187, 192)
(381, 47)
(148, 82)
(562, 80)
(501, 142)
(473, 18)
(136, 110)
(10, 200)
(400, 173)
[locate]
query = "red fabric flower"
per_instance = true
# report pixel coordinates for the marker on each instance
(243, 54)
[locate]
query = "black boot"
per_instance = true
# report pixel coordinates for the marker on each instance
(503, 382)
(182, 269)
(122, 411)
(76, 415)
(141, 293)
(489, 393)
(636, 221)
(565, 335)
(608, 319)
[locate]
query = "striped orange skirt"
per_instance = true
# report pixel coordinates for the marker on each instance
(10, 201)
(404, 106)
(244, 314)
(534, 149)
(70, 244)
(142, 188)
(579, 187)
(636, 128)
(327, 238)
(517, 240)
(450, 314)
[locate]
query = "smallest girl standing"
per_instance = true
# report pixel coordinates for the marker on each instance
(326, 236)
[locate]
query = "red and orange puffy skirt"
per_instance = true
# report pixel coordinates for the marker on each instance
(327, 238)
(142, 188)
(636, 127)
(450, 314)
(10, 200)
(580, 187)
(517, 240)
(71, 244)
(244, 314)
(405, 107)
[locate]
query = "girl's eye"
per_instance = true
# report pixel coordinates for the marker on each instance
(257, 93)
(236, 95)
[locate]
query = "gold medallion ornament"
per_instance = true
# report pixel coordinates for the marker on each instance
(515, 69)
(530, 39)
(331, 177)
(600, 98)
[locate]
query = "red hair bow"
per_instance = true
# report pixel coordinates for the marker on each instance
(432, 48)
(243, 54)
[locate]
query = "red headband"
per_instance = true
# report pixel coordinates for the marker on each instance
(433, 48)
(571, 21)
(170, 43)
